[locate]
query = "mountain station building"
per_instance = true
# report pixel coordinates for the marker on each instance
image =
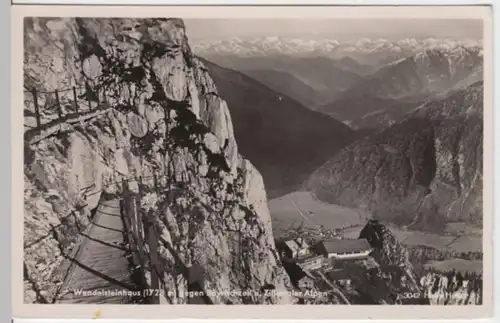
(343, 249)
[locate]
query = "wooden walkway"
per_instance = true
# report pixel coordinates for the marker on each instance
(101, 266)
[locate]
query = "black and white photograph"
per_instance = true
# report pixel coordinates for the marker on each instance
(264, 161)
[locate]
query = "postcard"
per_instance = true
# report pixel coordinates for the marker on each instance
(263, 157)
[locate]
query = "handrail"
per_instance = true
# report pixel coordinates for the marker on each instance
(128, 179)
(27, 90)
(84, 191)
(86, 99)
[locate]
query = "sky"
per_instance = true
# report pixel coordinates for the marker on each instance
(340, 29)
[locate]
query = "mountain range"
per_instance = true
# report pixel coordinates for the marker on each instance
(365, 51)
(395, 89)
(362, 95)
(311, 80)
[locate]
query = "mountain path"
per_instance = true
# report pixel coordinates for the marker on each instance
(101, 263)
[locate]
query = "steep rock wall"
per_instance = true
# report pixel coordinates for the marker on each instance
(164, 116)
(390, 254)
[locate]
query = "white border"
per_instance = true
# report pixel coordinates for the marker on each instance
(250, 2)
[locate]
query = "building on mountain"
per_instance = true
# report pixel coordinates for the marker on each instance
(339, 276)
(299, 252)
(311, 262)
(293, 249)
(343, 248)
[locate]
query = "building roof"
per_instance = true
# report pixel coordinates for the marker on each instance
(339, 274)
(346, 245)
(310, 257)
(297, 244)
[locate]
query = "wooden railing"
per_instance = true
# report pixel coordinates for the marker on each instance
(142, 230)
(80, 99)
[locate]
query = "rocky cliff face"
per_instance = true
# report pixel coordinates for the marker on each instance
(164, 116)
(421, 172)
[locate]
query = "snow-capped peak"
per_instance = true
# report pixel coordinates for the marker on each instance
(332, 47)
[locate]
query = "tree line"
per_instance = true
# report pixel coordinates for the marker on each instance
(424, 254)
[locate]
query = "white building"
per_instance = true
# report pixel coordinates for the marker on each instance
(344, 248)
(297, 248)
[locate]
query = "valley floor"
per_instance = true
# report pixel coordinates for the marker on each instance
(302, 209)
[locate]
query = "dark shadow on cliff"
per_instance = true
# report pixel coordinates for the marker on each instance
(284, 140)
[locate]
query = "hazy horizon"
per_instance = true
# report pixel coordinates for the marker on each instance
(338, 29)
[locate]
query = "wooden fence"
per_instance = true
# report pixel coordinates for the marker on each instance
(59, 103)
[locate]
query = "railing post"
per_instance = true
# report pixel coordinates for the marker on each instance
(58, 103)
(98, 94)
(155, 182)
(133, 218)
(104, 99)
(151, 240)
(75, 99)
(153, 256)
(138, 203)
(88, 96)
(37, 108)
(125, 202)
(139, 228)
(134, 226)
(129, 95)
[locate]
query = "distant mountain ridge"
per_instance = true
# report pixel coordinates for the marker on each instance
(350, 64)
(387, 95)
(324, 76)
(366, 51)
(286, 83)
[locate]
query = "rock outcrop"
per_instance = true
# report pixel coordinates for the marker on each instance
(390, 255)
(422, 172)
(163, 115)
